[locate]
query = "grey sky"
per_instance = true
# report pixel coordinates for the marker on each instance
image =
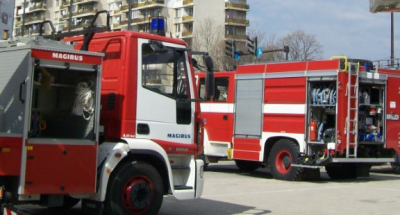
(343, 27)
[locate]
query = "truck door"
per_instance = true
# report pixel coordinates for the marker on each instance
(392, 112)
(164, 111)
(218, 113)
(15, 70)
(60, 132)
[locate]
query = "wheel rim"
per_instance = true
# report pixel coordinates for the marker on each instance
(283, 161)
(138, 194)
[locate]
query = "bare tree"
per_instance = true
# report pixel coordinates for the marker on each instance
(209, 37)
(302, 46)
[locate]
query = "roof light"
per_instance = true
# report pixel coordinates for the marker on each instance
(157, 26)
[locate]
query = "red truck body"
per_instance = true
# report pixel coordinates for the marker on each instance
(299, 116)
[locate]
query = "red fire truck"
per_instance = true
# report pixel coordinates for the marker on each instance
(117, 128)
(299, 116)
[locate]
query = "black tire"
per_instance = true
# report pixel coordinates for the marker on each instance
(283, 154)
(341, 172)
(395, 168)
(134, 188)
(247, 166)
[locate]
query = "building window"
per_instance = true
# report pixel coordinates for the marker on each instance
(177, 28)
(177, 13)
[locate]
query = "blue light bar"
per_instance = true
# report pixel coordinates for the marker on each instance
(157, 26)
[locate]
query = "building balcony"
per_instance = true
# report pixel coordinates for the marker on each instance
(81, 14)
(187, 34)
(42, 7)
(187, 18)
(141, 20)
(76, 27)
(149, 3)
(235, 6)
(124, 8)
(34, 20)
(75, 2)
(239, 22)
(187, 3)
(116, 25)
(118, 11)
(236, 36)
(84, 13)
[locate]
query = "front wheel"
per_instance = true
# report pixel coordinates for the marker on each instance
(134, 188)
(283, 154)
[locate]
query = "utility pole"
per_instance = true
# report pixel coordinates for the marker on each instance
(70, 16)
(392, 41)
(23, 19)
(129, 15)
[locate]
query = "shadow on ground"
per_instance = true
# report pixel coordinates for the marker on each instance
(171, 206)
(377, 173)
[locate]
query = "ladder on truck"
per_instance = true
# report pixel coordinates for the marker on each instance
(352, 93)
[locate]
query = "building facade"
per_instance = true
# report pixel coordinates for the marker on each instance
(181, 16)
(6, 20)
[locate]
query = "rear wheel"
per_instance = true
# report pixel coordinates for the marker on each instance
(283, 154)
(247, 166)
(135, 188)
(396, 168)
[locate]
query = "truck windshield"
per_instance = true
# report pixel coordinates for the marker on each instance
(165, 71)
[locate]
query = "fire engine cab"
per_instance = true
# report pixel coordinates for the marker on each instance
(117, 127)
(296, 117)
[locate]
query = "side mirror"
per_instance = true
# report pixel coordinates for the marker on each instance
(210, 80)
(158, 47)
(210, 86)
(209, 63)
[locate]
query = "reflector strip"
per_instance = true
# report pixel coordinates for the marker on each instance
(285, 108)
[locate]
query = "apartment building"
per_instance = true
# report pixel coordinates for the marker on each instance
(6, 15)
(181, 16)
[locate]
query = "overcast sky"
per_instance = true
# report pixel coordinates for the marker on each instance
(343, 27)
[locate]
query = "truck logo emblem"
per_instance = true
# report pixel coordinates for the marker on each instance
(178, 136)
(65, 56)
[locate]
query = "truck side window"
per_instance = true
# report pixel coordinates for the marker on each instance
(202, 89)
(221, 89)
(165, 71)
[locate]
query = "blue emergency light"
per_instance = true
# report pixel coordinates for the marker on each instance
(158, 26)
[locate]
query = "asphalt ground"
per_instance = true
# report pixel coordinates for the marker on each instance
(229, 191)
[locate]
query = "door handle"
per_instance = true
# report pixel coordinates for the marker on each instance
(225, 117)
(20, 92)
(143, 128)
